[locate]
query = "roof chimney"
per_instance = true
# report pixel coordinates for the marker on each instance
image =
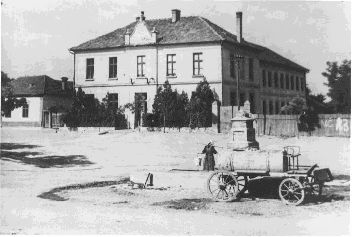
(64, 83)
(239, 26)
(176, 15)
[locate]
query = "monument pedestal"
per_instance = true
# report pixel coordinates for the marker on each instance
(243, 133)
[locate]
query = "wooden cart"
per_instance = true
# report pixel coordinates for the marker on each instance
(298, 181)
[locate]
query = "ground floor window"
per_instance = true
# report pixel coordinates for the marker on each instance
(233, 99)
(113, 99)
(271, 107)
(140, 103)
(25, 111)
(264, 107)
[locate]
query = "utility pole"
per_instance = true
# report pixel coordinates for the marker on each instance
(238, 60)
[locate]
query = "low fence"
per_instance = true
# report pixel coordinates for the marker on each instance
(332, 125)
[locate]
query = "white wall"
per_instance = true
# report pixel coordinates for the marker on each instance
(35, 105)
(127, 69)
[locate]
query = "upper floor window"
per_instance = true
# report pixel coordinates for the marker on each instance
(292, 83)
(90, 68)
(287, 79)
(264, 78)
(232, 65)
(281, 80)
(276, 80)
(140, 66)
(269, 79)
(250, 69)
(171, 65)
(297, 84)
(197, 64)
(25, 111)
(112, 67)
(302, 84)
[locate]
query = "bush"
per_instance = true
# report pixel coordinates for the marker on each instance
(149, 120)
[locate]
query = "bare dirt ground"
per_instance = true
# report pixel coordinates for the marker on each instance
(70, 183)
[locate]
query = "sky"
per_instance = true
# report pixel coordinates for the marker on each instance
(36, 34)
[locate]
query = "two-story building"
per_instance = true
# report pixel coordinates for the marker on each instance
(136, 59)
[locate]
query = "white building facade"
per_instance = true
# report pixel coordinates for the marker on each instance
(136, 59)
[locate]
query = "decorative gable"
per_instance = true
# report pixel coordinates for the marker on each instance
(141, 34)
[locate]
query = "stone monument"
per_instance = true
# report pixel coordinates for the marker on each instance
(242, 130)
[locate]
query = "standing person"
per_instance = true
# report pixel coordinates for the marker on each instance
(209, 151)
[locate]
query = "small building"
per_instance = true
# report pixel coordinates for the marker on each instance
(134, 60)
(46, 100)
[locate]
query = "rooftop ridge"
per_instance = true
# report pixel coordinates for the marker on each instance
(211, 27)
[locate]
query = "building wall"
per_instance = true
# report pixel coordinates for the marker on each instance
(255, 87)
(127, 84)
(35, 105)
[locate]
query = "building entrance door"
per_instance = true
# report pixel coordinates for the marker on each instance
(140, 103)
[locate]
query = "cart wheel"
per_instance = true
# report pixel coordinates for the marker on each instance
(222, 186)
(291, 191)
(242, 184)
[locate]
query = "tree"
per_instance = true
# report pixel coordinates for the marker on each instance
(317, 103)
(8, 101)
(339, 83)
(200, 105)
(295, 106)
(164, 104)
(181, 109)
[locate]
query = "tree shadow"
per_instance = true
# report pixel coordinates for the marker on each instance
(15, 146)
(37, 159)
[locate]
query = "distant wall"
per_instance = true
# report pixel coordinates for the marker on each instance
(331, 125)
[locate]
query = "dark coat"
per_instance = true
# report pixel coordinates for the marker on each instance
(209, 162)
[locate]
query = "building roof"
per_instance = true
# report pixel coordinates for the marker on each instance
(191, 29)
(39, 86)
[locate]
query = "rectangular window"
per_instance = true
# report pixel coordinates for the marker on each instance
(276, 80)
(277, 107)
(232, 65)
(25, 111)
(197, 64)
(282, 81)
(171, 65)
(242, 99)
(112, 67)
(140, 66)
(292, 83)
(287, 79)
(233, 98)
(271, 107)
(113, 98)
(302, 84)
(269, 79)
(264, 107)
(250, 69)
(282, 104)
(297, 84)
(90, 68)
(252, 102)
(264, 78)
(242, 69)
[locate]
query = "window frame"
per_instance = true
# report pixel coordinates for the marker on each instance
(112, 68)
(25, 110)
(172, 63)
(90, 69)
(276, 80)
(269, 79)
(251, 69)
(292, 82)
(282, 81)
(197, 64)
(287, 81)
(140, 65)
(297, 83)
(264, 81)
(303, 84)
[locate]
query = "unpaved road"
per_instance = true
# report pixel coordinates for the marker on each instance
(177, 204)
